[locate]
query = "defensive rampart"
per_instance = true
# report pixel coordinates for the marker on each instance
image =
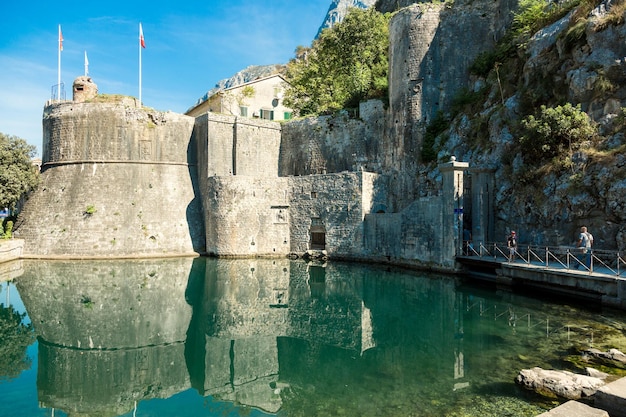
(121, 180)
(117, 181)
(322, 197)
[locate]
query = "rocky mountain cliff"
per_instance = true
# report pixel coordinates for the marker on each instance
(339, 9)
(580, 60)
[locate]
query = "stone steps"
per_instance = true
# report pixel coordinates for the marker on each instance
(609, 401)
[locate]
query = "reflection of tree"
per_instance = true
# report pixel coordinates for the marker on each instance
(15, 337)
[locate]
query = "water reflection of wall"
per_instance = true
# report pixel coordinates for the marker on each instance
(111, 332)
(327, 305)
(258, 323)
(10, 270)
(247, 308)
(97, 382)
(108, 304)
(239, 330)
(239, 310)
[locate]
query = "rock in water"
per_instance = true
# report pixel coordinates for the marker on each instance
(563, 384)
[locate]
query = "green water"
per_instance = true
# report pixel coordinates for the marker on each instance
(206, 337)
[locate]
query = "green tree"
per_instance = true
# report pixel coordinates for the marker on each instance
(555, 131)
(346, 64)
(17, 173)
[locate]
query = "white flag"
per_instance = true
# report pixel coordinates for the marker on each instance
(86, 64)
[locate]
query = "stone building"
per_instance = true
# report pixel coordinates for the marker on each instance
(117, 181)
(261, 98)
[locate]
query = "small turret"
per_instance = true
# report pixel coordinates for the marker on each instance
(84, 89)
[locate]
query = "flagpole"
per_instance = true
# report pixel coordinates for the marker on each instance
(140, 47)
(60, 48)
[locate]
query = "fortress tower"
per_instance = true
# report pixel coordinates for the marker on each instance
(117, 181)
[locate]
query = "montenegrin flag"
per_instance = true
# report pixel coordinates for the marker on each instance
(141, 40)
(60, 39)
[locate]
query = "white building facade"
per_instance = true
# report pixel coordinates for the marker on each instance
(261, 99)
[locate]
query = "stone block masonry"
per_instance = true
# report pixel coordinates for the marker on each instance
(116, 182)
(247, 216)
(257, 146)
(333, 206)
(347, 214)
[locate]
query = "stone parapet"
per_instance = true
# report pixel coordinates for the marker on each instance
(113, 131)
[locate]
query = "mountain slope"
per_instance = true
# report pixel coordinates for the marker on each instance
(339, 9)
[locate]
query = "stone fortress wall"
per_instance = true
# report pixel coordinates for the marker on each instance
(274, 211)
(117, 181)
(123, 180)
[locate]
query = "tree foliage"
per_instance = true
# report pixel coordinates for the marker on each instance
(531, 16)
(346, 64)
(555, 131)
(17, 173)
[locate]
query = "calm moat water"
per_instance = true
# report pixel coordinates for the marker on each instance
(206, 337)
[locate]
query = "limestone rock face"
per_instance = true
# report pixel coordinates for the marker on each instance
(339, 9)
(246, 75)
(592, 190)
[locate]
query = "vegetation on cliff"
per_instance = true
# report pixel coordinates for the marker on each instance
(346, 64)
(544, 109)
(555, 132)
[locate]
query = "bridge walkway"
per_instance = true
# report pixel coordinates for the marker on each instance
(558, 258)
(598, 275)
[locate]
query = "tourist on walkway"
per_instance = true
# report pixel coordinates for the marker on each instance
(585, 241)
(511, 243)
(468, 247)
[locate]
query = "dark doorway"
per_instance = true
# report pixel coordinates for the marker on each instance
(318, 235)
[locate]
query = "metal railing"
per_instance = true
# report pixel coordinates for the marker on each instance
(532, 320)
(561, 257)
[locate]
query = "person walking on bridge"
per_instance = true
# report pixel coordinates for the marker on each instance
(585, 241)
(511, 243)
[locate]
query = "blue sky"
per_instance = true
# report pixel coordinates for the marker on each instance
(190, 46)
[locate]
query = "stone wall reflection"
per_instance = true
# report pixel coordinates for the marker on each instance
(241, 330)
(260, 325)
(239, 311)
(111, 332)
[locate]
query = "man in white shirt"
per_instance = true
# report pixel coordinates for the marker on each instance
(585, 241)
